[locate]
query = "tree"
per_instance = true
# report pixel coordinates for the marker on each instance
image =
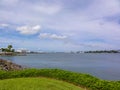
(3, 49)
(9, 47)
(13, 50)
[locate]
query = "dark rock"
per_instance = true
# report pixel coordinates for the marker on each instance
(9, 66)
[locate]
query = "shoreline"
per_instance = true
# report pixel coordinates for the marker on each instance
(11, 70)
(9, 66)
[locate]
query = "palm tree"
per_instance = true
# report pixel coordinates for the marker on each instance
(9, 47)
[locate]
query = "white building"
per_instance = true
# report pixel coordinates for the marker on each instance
(21, 51)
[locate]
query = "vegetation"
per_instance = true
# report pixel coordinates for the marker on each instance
(83, 80)
(103, 51)
(36, 84)
(8, 49)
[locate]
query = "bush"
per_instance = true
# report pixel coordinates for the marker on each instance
(79, 79)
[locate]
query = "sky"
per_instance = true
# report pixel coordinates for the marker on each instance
(60, 25)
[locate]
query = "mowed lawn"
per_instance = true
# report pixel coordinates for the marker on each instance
(36, 84)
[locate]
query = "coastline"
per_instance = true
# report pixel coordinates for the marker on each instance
(9, 66)
(10, 70)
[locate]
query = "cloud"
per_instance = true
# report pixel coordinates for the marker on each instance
(47, 9)
(4, 25)
(82, 21)
(29, 30)
(52, 36)
(8, 2)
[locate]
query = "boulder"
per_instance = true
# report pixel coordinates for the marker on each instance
(9, 66)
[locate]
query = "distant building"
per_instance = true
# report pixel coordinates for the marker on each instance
(21, 51)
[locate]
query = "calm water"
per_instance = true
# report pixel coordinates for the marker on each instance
(104, 66)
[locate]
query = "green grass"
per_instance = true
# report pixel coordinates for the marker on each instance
(78, 79)
(36, 84)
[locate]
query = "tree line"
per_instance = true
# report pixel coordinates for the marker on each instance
(103, 51)
(8, 49)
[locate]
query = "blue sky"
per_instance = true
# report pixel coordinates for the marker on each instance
(60, 25)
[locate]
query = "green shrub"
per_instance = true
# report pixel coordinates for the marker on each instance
(79, 79)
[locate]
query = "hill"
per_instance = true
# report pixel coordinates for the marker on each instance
(36, 84)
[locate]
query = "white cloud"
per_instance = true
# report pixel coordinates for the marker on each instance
(83, 18)
(79, 23)
(4, 25)
(29, 30)
(8, 2)
(52, 36)
(47, 9)
(102, 8)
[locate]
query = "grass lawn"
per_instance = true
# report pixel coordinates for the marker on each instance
(36, 84)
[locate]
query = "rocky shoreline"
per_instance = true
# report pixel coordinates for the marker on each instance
(9, 66)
